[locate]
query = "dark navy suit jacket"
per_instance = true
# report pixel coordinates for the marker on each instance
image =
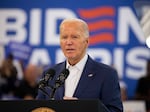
(98, 81)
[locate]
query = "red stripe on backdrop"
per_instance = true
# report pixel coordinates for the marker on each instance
(101, 38)
(97, 12)
(103, 24)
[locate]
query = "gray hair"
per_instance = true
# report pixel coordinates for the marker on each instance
(83, 23)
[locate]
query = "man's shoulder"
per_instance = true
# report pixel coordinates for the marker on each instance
(99, 65)
(55, 66)
(103, 70)
(60, 64)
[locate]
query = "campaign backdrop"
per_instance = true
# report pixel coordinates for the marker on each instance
(30, 30)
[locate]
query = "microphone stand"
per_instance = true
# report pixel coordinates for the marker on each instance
(57, 85)
(44, 85)
(42, 88)
(53, 93)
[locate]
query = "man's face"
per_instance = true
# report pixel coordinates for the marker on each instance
(73, 41)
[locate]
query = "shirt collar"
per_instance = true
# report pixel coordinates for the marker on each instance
(80, 65)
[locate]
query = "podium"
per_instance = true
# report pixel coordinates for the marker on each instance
(52, 106)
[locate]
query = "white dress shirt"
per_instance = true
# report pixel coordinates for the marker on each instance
(74, 76)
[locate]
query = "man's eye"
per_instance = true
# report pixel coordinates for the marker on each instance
(63, 37)
(74, 37)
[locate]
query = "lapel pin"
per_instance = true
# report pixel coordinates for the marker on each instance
(90, 75)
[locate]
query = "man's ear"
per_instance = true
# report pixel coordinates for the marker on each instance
(87, 40)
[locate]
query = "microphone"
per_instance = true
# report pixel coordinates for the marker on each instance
(48, 76)
(61, 78)
(59, 82)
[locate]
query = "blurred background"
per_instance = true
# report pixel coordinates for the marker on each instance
(29, 42)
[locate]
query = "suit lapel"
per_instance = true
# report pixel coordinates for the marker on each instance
(86, 77)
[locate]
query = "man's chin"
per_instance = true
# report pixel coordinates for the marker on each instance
(70, 57)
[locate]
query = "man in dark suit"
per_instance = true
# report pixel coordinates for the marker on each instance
(88, 79)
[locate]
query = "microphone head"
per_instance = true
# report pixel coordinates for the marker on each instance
(49, 74)
(65, 72)
(61, 78)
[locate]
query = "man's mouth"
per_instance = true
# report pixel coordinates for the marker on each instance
(70, 50)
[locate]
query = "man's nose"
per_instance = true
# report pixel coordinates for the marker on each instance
(69, 41)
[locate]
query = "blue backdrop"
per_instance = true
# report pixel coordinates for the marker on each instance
(29, 29)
